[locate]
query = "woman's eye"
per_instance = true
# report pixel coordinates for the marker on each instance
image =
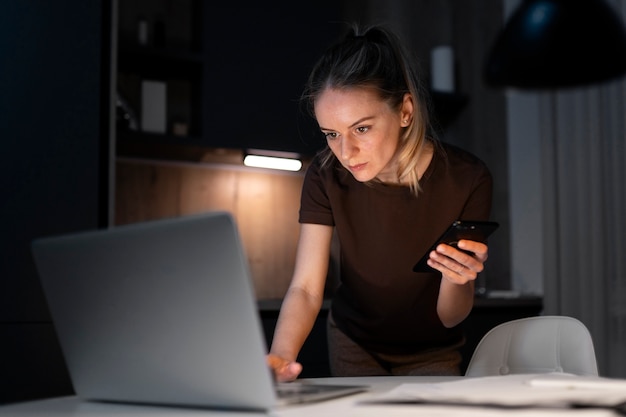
(362, 129)
(330, 135)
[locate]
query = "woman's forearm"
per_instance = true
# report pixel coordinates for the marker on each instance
(295, 321)
(455, 302)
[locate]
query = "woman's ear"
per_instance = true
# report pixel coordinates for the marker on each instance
(406, 112)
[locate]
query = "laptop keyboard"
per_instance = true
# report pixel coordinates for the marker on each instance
(292, 389)
(294, 392)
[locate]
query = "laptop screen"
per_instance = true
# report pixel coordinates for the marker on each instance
(158, 312)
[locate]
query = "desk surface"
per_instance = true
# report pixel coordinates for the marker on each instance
(342, 407)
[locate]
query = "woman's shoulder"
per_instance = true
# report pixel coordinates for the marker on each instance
(455, 155)
(458, 166)
(326, 174)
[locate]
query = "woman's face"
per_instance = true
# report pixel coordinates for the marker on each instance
(363, 131)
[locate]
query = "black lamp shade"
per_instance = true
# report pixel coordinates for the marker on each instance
(550, 44)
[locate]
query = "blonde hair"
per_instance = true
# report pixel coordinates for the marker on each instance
(375, 58)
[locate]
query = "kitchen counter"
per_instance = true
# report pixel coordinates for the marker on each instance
(489, 310)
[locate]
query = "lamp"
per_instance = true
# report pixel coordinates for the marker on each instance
(558, 43)
(285, 161)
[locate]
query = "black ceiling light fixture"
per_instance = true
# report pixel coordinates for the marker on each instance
(548, 44)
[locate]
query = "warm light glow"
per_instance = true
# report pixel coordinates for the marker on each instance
(272, 162)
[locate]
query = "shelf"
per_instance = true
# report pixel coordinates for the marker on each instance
(160, 63)
(134, 144)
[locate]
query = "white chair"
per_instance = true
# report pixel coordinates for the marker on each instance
(531, 345)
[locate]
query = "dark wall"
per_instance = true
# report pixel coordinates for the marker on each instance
(53, 174)
(260, 61)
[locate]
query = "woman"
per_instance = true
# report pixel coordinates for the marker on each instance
(389, 189)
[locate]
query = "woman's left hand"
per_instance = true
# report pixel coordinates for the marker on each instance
(456, 265)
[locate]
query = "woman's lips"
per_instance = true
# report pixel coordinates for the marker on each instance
(357, 167)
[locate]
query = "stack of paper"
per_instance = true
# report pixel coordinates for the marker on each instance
(553, 390)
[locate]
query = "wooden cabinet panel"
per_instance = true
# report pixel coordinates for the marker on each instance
(264, 203)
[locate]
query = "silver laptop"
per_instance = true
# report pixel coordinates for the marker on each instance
(163, 312)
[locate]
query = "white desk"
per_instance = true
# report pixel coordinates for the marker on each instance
(342, 407)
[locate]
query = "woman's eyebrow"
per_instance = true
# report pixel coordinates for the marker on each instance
(361, 120)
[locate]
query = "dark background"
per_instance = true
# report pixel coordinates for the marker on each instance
(53, 171)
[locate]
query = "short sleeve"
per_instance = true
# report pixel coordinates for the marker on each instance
(314, 201)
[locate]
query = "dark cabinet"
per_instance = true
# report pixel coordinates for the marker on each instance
(160, 64)
(232, 72)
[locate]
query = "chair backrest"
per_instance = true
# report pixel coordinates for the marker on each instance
(539, 344)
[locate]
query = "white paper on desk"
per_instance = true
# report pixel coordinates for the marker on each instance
(524, 390)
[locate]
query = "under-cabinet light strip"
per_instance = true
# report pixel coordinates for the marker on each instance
(272, 162)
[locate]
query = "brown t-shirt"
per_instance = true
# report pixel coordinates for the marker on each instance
(383, 230)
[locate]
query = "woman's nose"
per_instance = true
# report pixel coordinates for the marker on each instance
(348, 148)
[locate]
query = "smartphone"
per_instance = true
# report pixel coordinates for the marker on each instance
(477, 231)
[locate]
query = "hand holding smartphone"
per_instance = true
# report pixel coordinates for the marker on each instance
(477, 231)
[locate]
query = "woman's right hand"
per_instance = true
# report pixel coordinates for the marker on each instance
(283, 369)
